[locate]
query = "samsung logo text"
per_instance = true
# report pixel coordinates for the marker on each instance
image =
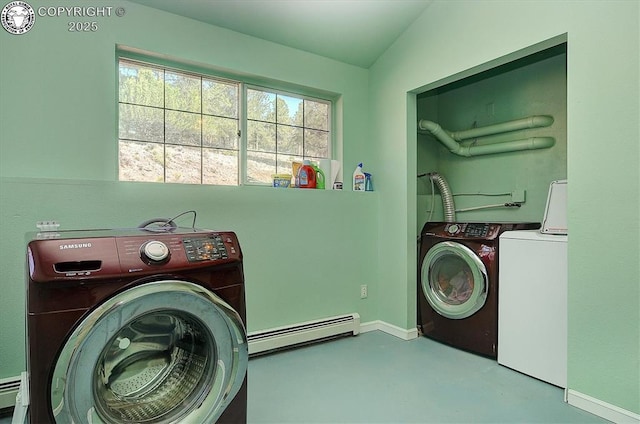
(75, 246)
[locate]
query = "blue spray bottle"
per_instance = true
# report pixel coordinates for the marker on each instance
(368, 185)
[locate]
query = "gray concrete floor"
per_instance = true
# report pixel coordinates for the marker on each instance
(377, 378)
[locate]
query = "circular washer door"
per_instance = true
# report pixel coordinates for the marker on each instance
(454, 280)
(162, 352)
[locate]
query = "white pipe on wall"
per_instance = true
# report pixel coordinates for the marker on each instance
(532, 143)
(440, 134)
(519, 124)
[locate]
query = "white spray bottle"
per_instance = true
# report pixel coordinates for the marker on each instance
(358, 179)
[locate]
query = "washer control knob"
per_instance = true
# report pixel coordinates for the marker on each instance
(453, 228)
(154, 252)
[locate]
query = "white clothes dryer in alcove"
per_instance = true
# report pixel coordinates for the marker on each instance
(532, 306)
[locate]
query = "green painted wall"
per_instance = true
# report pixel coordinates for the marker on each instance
(602, 164)
(306, 252)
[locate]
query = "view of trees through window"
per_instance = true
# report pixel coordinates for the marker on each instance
(282, 129)
(185, 128)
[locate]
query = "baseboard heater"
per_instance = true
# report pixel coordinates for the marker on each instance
(9, 388)
(297, 334)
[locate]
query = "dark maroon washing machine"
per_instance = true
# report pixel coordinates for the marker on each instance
(458, 283)
(135, 325)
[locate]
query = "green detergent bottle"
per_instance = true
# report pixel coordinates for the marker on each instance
(320, 184)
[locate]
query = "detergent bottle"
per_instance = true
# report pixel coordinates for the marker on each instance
(358, 178)
(320, 181)
(306, 175)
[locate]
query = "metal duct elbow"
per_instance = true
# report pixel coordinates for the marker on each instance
(447, 197)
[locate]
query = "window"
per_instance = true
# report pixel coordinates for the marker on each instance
(181, 127)
(282, 129)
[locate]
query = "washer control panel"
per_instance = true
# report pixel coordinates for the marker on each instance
(470, 230)
(205, 248)
(108, 253)
(477, 230)
(473, 230)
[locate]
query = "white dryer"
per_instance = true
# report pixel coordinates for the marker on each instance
(532, 306)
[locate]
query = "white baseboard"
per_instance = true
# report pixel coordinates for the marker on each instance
(294, 334)
(9, 388)
(602, 409)
(401, 333)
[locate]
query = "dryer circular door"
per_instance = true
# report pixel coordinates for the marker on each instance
(454, 280)
(162, 352)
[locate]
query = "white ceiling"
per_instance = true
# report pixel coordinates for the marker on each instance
(350, 31)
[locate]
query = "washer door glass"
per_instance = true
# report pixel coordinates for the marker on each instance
(454, 280)
(162, 352)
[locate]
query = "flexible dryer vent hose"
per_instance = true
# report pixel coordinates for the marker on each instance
(447, 197)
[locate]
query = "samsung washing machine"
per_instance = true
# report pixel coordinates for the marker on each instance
(458, 283)
(135, 326)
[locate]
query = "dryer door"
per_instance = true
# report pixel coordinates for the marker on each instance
(454, 280)
(162, 352)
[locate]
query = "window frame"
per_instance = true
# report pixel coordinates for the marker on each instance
(244, 83)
